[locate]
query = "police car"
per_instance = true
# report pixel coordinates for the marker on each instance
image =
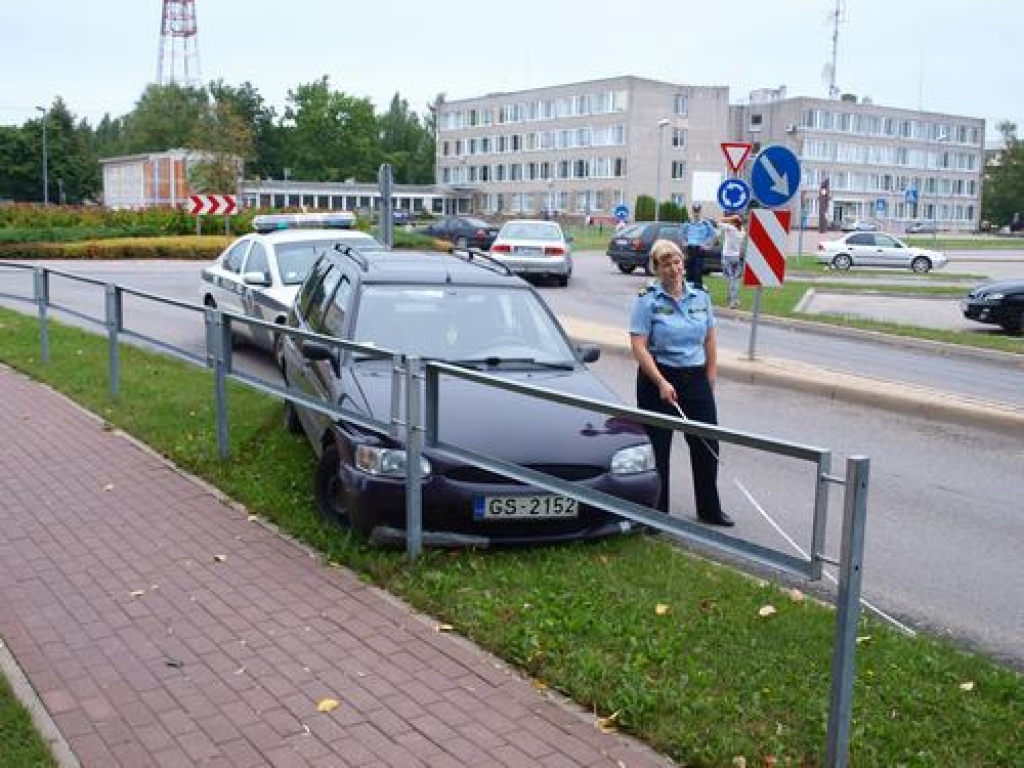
(259, 274)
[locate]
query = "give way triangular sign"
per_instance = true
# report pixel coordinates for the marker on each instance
(736, 153)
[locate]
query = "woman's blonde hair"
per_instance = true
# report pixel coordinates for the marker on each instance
(665, 248)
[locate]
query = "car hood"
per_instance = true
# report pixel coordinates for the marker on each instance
(999, 286)
(511, 426)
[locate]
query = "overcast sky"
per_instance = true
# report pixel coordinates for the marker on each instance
(962, 58)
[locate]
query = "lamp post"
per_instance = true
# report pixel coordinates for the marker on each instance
(942, 138)
(551, 198)
(657, 183)
(46, 160)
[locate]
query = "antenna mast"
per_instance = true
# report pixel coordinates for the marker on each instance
(178, 59)
(836, 16)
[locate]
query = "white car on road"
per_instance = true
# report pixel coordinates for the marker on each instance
(533, 247)
(877, 249)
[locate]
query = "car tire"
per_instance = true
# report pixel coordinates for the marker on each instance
(626, 269)
(1014, 325)
(921, 265)
(291, 418)
(328, 488)
(842, 262)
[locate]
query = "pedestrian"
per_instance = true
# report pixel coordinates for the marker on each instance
(731, 229)
(698, 234)
(672, 335)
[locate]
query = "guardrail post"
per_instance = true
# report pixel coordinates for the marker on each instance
(218, 356)
(115, 317)
(41, 287)
(413, 454)
(855, 504)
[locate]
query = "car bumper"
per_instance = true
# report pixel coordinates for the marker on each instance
(543, 265)
(448, 510)
(985, 313)
(629, 259)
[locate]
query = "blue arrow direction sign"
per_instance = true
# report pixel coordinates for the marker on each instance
(910, 194)
(621, 211)
(775, 176)
(733, 195)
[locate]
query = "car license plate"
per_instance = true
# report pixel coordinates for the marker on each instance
(523, 507)
(528, 249)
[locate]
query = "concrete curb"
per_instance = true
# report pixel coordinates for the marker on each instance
(902, 398)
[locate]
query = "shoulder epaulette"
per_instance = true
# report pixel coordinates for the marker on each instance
(646, 289)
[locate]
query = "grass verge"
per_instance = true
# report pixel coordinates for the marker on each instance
(671, 645)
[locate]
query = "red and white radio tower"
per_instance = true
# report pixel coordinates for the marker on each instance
(178, 61)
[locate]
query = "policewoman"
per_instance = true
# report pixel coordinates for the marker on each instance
(672, 334)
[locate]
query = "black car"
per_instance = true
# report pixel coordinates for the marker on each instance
(999, 303)
(463, 231)
(472, 312)
(631, 247)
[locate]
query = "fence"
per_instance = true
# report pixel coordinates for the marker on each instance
(415, 418)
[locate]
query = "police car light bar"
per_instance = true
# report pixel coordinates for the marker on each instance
(268, 222)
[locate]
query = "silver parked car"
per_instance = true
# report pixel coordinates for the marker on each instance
(531, 247)
(877, 249)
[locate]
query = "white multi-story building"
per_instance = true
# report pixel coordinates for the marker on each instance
(884, 163)
(581, 149)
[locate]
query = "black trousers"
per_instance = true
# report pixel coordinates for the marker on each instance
(698, 403)
(695, 265)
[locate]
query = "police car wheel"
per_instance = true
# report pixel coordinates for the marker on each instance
(328, 488)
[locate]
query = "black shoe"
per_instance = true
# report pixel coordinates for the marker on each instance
(721, 519)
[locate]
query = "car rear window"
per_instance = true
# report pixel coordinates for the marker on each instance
(294, 260)
(530, 230)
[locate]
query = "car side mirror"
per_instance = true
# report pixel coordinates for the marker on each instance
(259, 279)
(588, 353)
(317, 350)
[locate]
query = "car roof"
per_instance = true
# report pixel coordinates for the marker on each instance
(431, 268)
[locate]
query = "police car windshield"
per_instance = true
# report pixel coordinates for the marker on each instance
(454, 323)
(294, 260)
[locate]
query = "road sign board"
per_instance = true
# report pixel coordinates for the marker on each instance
(733, 195)
(200, 205)
(776, 175)
(622, 211)
(879, 206)
(910, 195)
(766, 248)
(735, 154)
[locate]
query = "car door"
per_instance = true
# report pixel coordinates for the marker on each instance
(256, 262)
(861, 246)
(229, 282)
(890, 251)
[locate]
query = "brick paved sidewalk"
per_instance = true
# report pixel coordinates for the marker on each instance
(161, 627)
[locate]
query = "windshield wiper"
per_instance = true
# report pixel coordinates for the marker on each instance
(499, 362)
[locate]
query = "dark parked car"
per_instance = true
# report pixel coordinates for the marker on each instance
(472, 312)
(999, 303)
(463, 231)
(630, 248)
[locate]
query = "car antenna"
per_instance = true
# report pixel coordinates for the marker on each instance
(473, 254)
(353, 253)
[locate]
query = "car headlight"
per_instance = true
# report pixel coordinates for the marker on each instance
(385, 462)
(994, 297)
(630, 461)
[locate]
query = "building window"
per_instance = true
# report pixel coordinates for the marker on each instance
(755, 122)
(681, 105)
(678, 138)
(678, 169)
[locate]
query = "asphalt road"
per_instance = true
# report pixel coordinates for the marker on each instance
(944, 501)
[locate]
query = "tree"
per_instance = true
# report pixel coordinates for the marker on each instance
(330, 136)
(1003, 190)
(224, 141)
(165, 117)
(247, 104)
(406, 144)
(21, 160)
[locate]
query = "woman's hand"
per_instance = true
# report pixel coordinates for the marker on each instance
(667, 391)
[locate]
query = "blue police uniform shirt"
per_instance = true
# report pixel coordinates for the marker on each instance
(675, 330)
(698, 232)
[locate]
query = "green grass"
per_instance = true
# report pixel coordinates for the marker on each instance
(704, 682)
(21, 746)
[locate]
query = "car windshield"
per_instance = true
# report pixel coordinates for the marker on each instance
(530, 230)
(294, 260)
(467, 324)
(633, 230)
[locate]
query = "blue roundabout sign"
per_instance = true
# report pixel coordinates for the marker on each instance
(733, 195)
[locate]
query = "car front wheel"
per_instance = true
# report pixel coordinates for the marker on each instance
(626, 269)
(328, 488)
(920, 265)
(842, 262)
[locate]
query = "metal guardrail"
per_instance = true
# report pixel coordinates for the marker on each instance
(418, 421)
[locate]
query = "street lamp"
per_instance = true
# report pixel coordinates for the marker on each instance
(657, 184)
(46, 159)
(942, 138)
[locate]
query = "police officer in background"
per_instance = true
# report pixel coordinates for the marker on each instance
(698, 233)
(672, 335)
